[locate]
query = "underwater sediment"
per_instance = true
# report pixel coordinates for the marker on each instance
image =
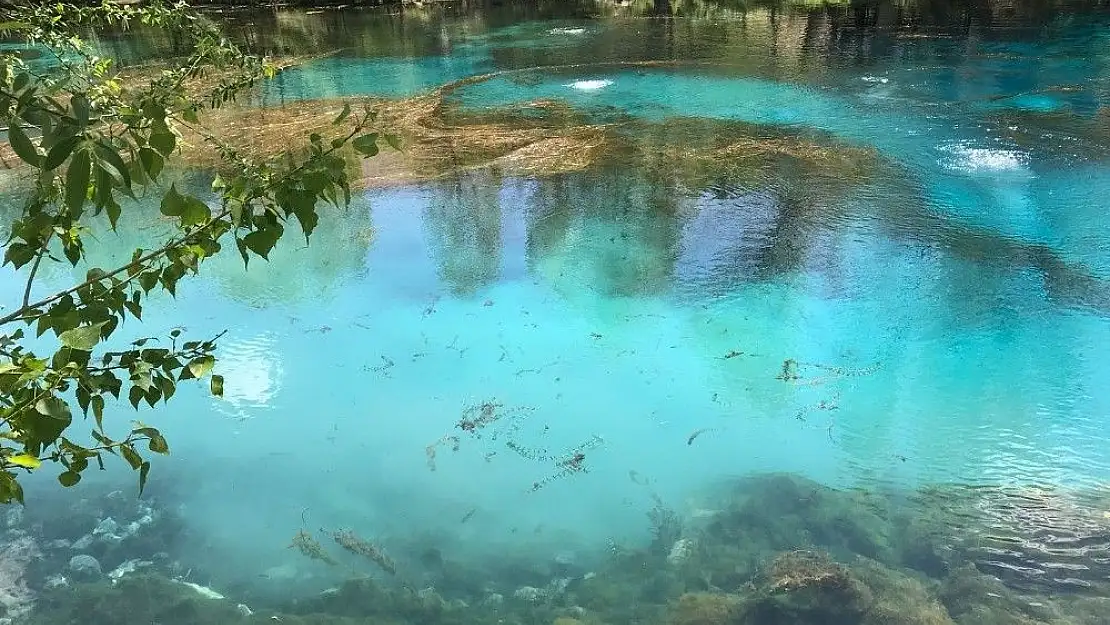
(767, 549)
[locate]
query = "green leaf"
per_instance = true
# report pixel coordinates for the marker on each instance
(84, 338)
(19, 254)
(27, 461)
(53, 407)
(80, 105)
(69, 478)
(173, 203)
(262, 241)
(136, 395)
(394, 141)
(343, 115)
(59, 153)
(115, 165)
(200, 366)
(163, 141)
(158, 444)
(308, 220)
(194, 212)
(72, 252)
(148, 280)
(218, 385)
(83, 399)
(144, 470)
(22, 146)
(131, 456)
(10, 490)
(135, 308)
(114, 212)
(77, 180)
(152, 162)
(367, 144)
(98, 410)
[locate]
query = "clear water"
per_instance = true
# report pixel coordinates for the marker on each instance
(949, 316)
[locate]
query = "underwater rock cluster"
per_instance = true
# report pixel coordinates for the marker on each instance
(773, 550)
(99, 539)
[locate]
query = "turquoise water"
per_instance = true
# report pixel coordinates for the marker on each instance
(947, 318)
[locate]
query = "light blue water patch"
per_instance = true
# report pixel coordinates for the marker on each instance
(1035, 102)
(351, 363)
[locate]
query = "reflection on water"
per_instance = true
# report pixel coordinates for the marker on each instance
(464, 232)
(852, 254)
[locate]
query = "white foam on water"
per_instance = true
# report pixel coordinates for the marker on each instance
(589, 85)
(972, 159)
(567, 31)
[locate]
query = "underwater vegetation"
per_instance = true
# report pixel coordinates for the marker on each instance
(767, 549)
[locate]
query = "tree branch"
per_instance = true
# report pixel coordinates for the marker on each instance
(35, 269)
(15, 315)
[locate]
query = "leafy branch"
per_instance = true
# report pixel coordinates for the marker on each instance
(90, 138)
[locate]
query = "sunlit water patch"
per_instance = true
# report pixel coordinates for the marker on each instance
(590, 85)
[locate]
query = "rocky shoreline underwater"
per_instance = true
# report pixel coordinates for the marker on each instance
(770, 549)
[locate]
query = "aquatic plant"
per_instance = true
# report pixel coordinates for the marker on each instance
(666, 526)
(362, 547)
(308, 546)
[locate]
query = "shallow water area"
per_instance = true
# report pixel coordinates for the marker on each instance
(820, 339)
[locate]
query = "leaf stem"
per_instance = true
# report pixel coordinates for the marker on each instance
(35, 269)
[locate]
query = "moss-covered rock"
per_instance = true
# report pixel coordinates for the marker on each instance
(136, 599)
(900, 599)
(807, 588)
(703, 608)
(768, 514)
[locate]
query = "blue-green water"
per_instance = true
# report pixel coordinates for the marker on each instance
(947, 317)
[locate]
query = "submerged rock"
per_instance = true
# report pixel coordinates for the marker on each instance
(83, 543)
(430, 599)
(899, 598)
(530, 593)
(128, 568)
(680, 551)
(105, 527)
(13, 517)
(808, 588)
(140, 598)
(494, 600)
(703, 608)
(85, 568)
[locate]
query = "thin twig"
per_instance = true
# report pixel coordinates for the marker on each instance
(35, 269)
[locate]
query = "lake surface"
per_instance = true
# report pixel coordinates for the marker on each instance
(938, 321)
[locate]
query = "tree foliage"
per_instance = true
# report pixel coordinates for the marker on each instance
(91, 140)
